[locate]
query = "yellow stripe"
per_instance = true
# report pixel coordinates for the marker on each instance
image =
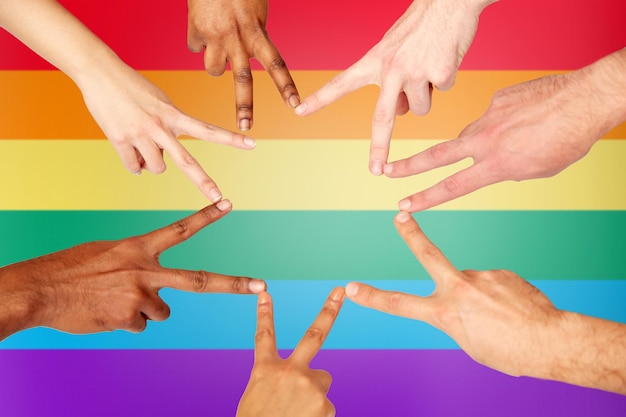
(45, 105)
(281, 175)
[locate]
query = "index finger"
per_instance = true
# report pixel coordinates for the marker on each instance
(276, 67)
(314, 337)
(429, 255)
(159, 240)
(343, 83)
(382, 125)
(265, 338)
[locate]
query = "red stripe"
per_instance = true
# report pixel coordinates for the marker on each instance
(332, 34)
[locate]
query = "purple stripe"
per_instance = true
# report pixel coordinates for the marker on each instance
(209, 382)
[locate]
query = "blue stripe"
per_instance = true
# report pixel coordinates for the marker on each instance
(224, 321)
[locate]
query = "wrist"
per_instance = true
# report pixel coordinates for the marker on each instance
(18, 308)
(604, 86)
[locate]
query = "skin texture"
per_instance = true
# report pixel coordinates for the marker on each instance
(135, 115)
(234, 31)
(424, 48)
(504, 322)
(531, 130)
(108, 285)
(288, 387)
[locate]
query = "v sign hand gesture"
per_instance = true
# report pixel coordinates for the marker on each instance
(504, 322)
(288, 387)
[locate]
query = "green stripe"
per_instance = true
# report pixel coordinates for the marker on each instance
(327, 245)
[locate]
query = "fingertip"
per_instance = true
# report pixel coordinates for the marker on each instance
(257, 286)
(404, 205)
(376, 167)
(249, 142)
(403, 217)
(352, 289)
(337, 294)
(224, 205)
(294, 101)
(215, 195)
(301, 109)
(264, 301)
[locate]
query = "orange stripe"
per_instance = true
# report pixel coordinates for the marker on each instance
(46, 105)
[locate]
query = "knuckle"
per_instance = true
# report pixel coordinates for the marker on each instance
(383, 117)
(243, 76)
(394, 301)
(239, 285)
(287, 89)
(244, 107)
(188, 161)
(444, 80)
(181, 227)
(315, 334)
(277, 63)
(436, 153)
(263, 333)
(331, 308)
(452, 186)
(207, 213)
(430, 252)
(199, 280)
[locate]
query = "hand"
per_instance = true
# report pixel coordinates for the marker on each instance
(288, 387)
(424, 48)
(531, 130)
(496, 317)
(234, 31)
(141, 122)
(504, 322)
(137, 117)
(107, 285)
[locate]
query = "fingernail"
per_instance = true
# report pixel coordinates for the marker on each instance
(251, 143)
(294, 100)
(337, 294)
(388, 169)
(256, 286)
(404, 204)
(376, 167)
(352, 289)
(403, 217)
(215, 195)
(223, 205)
(244, 124)
(301, 109)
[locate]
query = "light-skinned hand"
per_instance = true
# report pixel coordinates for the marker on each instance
(504, 322)
(288, 387)
(531, 130)
(135, 115)
(424, 48)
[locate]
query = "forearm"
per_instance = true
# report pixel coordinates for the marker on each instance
(586, 351)
(56, 35)
(603, 85)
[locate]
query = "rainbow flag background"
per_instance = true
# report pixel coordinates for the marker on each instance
(307, 217)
